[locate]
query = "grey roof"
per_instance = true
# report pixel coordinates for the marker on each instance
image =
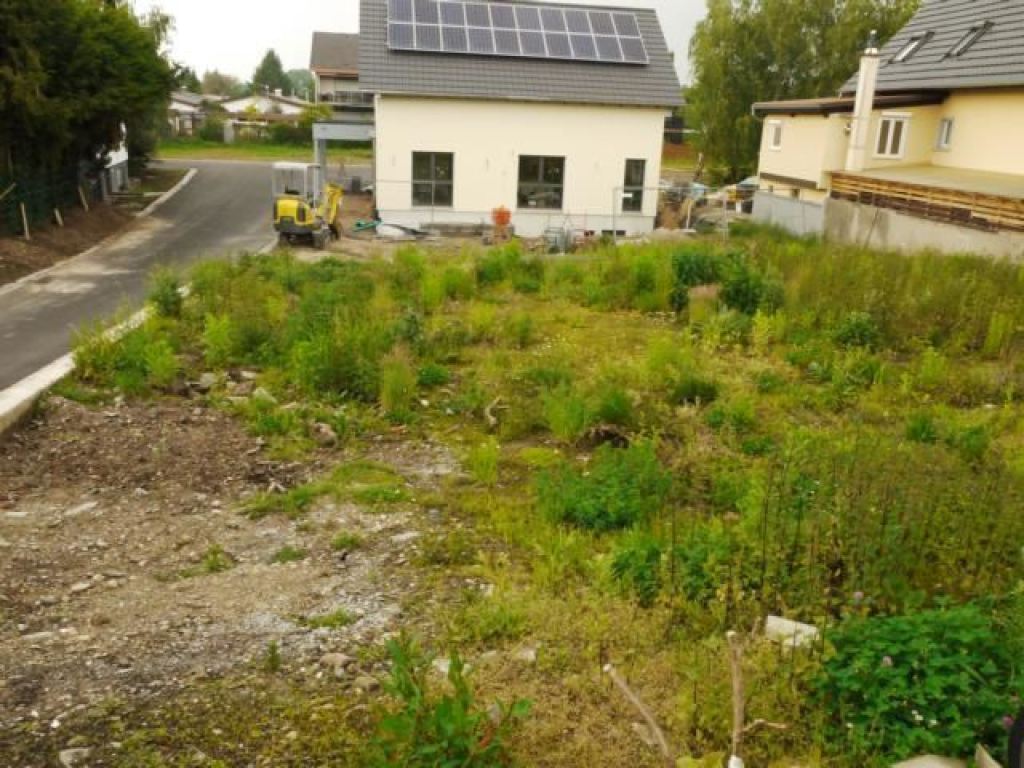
(187, 97)
(335, 52)
(516, 79)
(996, 59)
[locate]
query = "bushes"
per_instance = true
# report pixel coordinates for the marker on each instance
(931, 682)
(432, 730)
(621, 488)
(140, 360)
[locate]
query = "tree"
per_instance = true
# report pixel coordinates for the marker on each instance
(302, 83)
(186, 79)
(758, 50)
(220, 84)
(72, 73)
(270, 76)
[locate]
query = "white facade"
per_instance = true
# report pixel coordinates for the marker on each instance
(487, 140)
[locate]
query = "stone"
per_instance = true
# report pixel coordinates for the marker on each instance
(405, 538)
(207, 381)
(643, 732)
(931, 761)
(261, 393)
(366, 683)
(74, 756)
(37, 637)
(526, 655)
(324, 434)
(81, 586)
(337, 661)
(982, 759)
(86, 506)
(441, 666)
(792, 633)
(248, 375)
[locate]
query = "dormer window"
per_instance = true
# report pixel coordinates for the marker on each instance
(973, 35)
(912, 46)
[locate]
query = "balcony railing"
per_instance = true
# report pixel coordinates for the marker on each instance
(965, 208)
(347, 99)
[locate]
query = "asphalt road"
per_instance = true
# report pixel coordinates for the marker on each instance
(224, 209)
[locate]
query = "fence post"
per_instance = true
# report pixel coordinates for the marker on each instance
(24, 221)
(81, 196)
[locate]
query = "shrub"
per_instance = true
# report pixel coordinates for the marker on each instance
(931, 682)
(565, 413)
(457, 284)
(345, 540)
(431, 730)
(746, 290)
(397, 388)
(614, 406)
(857, 329)
(520, 330)
(738, 415)
(218, 340)
(621, 488)
(212, 130)
(433, 375)
(141, 359)
(482, 461)
(345, 359)
(691, 266)
(288, 554)
(165, 293)
(921, 428)
(636, 564)
(693, 389)
(334, 620)
(487, 620)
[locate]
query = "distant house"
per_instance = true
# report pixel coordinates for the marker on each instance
(334, 62)
(264, 105)
(922, 148)
(554, 112)
(185, 113)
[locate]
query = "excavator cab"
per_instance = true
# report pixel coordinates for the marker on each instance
(305, 208)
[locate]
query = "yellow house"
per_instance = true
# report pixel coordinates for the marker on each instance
(924, 147)
(553, 112)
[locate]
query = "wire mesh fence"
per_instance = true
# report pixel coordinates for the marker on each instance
(32, 199)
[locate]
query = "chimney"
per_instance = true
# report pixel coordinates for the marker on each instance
(857, 153)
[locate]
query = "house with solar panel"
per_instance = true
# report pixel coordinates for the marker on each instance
(922, 148)
(555, 113)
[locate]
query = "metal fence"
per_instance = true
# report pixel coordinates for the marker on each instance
(33, 199)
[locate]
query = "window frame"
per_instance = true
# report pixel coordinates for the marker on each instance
(775, 130)
(911, 47)
(633, 194)
(967, 41)
(944, 141)
(540, 184)
(434, 181)
(885, 128)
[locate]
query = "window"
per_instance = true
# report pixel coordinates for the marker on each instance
(541, 180)
(973, 35)
(945, 133)
(912, 46)
(633, 186)
(432, 179)
(775, 134)
(892, 136)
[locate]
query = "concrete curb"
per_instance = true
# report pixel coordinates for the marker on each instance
(102, 243)
(17, 401)
(189, 175)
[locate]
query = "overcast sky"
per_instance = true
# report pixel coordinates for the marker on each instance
(232, 36)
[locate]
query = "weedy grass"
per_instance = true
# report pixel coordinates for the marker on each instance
(681, 438)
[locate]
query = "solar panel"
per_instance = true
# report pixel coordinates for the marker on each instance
(515, 29)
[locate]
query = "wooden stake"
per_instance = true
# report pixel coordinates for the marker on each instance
(8, 191)
(24, 221)
(81, 196)
(645, 713)
(57, 216)
(738, 696)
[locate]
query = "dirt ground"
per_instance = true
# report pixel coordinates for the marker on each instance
(52, 244)
(82, 229)
(107, 516)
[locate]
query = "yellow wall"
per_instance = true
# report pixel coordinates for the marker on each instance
(487, 138)
(811, 145)
(988, 131)
(920, 142)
